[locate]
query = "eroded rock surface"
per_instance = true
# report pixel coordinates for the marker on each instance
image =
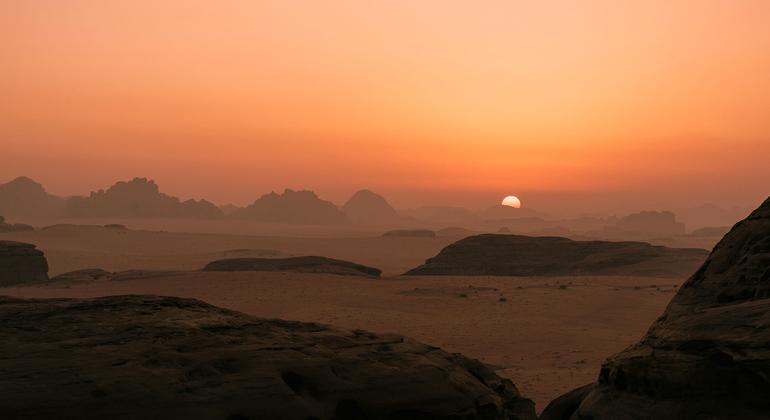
(708, 356)
(129, 357)
(310, 264)
(21, 263)
(516, 255)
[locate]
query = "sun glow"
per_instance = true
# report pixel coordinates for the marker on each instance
(512, 201)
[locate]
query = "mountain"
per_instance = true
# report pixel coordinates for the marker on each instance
(515, 255)
(292, 207)
(368, 208)
(23, 198)
(707, 356)
(138, 198)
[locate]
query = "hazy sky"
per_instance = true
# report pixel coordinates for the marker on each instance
(657, 102)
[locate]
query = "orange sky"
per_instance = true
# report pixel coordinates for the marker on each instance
(427, 101)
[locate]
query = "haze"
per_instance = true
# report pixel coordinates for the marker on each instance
(584, 104)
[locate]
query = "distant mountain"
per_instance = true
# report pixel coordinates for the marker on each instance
(368, 208)
(292, 207)
(23, 198)
(138, 198)
(228, 209)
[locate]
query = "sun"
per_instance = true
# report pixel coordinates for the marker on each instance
(512, 201)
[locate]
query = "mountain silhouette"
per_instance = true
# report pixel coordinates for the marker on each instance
(138, 198)
(292, 207)
(24, 197)
(368, 208)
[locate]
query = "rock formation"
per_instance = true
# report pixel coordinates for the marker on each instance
(515, 255)
(128, 357)
(368, 208)
(292, 207)
(21, 263)
(24, 198)
(16, 227)
(410, 233)
(308, 264)
(708, 355)
(139, 198)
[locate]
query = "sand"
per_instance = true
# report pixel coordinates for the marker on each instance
(547, 339)
(549, 335)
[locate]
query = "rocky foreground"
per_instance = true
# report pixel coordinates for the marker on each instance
(707, 356)
(129, 357)
(515, 255)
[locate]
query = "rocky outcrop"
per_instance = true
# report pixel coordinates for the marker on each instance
(644, 225)
(308, 264)
(23, 198)
(515, 255)
(21, 263)
(708, 355)
(410, 233)
(128, 357)
(368, 208)
(15, 227)
(139, 198)
(292, 207)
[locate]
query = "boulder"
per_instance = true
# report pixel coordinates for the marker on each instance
(309, 264)
(708, 355)
(21, 263)
(129, 357)
(516, 255)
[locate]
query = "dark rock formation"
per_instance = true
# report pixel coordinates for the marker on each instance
(292, 207)
(139, 198)
(410, 233)
(129, 357)
(515, 255)
(21, 263)
(23, 197)
(368, 208)
(708, 355)
(308, 264)
(16, 227)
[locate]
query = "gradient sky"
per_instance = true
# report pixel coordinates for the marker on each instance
(653, 103)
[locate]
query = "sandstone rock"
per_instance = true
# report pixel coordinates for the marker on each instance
(310, 264)
(515, 255)
(21, 263)
(410, 233)
(708, 355)
(129, 357)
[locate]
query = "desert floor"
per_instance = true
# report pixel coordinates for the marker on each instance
(548, 335)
